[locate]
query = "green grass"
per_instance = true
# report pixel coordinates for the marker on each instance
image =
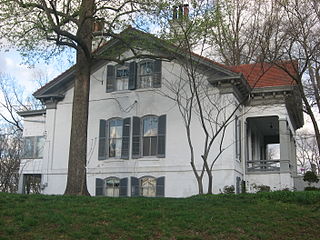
(277, 215)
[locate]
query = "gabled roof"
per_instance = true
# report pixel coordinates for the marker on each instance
(256, 75)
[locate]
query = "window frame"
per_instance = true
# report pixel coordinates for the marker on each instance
(105, 187)
(238, 138)
(121, 67)
(150, 137)
(154, 187)
(35, 147)
(117, 138)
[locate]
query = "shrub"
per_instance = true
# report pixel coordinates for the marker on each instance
(310, 177)
(228, 189)
(311, 189)
(262, 188)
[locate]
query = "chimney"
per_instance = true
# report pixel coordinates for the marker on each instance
(97, 28)
(186, 10)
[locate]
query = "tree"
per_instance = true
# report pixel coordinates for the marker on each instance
(307, 151)
(12, 100)
(296, 40)
(44, 28)
(10, 149)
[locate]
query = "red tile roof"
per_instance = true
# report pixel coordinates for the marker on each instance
(266, 74)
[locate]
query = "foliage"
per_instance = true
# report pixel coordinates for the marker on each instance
(228, 189)
(311, 189)
(261, 188)
(310, 177)
(10, 147)
(245, 216)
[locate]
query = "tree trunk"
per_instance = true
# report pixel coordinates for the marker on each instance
(77, 180)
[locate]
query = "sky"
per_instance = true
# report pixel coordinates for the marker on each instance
(11, 64)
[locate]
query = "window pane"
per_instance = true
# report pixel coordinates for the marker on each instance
(148, 186)
(146, 146)
(150, 126)
(122, 78)
(115, 130)
(145, 81)
(153, 146)
(39, 147)
(115, 147)
(112, 187)
(28, 147)
(146, 68)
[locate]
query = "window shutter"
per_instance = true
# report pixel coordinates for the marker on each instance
(123, 192)
(125, 138)
(239, 139)
(136, 137)
(162, 136)
(110, 78)
(102, 151)
(99, 186)
(135, 187)
(132, 75)
(160, 187)
(238, 186)
(157, 74)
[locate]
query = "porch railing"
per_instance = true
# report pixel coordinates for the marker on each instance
(263, 165)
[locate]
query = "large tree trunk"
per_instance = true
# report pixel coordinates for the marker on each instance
(77, 181)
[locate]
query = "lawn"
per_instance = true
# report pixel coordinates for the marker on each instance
(277, 215)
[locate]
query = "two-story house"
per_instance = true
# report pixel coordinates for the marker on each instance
(137, 143)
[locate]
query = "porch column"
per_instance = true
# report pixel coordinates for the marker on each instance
(284, 136)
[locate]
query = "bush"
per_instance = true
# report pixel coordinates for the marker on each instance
(310, 177)
(228, 189)
(311, 189)
(262, 188)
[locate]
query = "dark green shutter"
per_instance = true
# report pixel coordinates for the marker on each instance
(162, 136)
(123, 192)
(102, 151)
(160, 187)
(157, 74)
(99, 186)
(132, 75)
(240, 140)
(136, 132)
(125, 138)
(135, 187)
(110, 78)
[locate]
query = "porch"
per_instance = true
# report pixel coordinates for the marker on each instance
(270, 146)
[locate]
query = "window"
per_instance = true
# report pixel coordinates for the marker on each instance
(150, 135)
(115, 137)
(238, 137)
(148, 187)
(145, 74)
(122, 78)
(112, 187)
(149, 74)
(33, 147)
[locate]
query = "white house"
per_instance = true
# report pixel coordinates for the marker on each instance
(137, 143)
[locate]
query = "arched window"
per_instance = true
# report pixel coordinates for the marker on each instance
(112, 187)
(150, 135)
(115, 137)
(148, 186)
